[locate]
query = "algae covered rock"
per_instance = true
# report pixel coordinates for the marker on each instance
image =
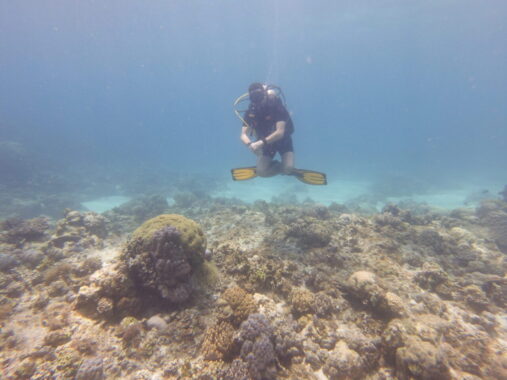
(18, 230)
(91, 369)
(310, 232)
(432, 277)
(421, 360)
(163, 253)
(344, 363)
(367, 287)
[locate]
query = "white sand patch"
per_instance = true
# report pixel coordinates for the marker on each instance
(106, 255)
(105, 203)
(462, 196)
(342, 191)
(288, 188)
(320, 375)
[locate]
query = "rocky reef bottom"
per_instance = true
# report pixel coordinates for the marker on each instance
(289, 292)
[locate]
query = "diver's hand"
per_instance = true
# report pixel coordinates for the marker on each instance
(256, 147)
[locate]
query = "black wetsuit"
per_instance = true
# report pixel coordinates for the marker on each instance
(263, 121)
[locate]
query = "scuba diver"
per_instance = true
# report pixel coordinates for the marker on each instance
(269, 123)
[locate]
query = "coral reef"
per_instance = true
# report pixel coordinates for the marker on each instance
(128, 216)
(493, 214)
(343, 363)
(78, 231)
(157, 263)
(17, 231)
(366, 287)
(284, 291)
(309, 232)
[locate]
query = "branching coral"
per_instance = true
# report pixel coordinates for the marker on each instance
(218, 341)
(302, 301)
(257, 350)
(241, 305)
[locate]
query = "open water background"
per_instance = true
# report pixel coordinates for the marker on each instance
(378, 89)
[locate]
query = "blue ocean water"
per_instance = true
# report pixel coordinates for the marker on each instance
(410, 90)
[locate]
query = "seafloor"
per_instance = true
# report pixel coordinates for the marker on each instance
(288, 291)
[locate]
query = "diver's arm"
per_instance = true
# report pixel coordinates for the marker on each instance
(277, 134)
(245, 131)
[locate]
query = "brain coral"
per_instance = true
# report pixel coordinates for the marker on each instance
(191, 235)
(163, 253)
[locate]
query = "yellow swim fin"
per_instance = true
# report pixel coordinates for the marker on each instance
(310, 177)
(307, 176)
(242, 174)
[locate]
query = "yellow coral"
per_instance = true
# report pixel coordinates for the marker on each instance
(218, 341)
(207, 275)
(302, 301)
(241, 303)
(192, 236)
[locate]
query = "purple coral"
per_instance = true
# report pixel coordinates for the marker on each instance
(255, 326)
(258, 355)
(257, 351)
(288, 344)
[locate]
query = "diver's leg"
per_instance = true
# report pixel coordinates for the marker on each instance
(287, 162)
(267, 167)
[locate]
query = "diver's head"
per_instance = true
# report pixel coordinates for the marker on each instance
(257, 93)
